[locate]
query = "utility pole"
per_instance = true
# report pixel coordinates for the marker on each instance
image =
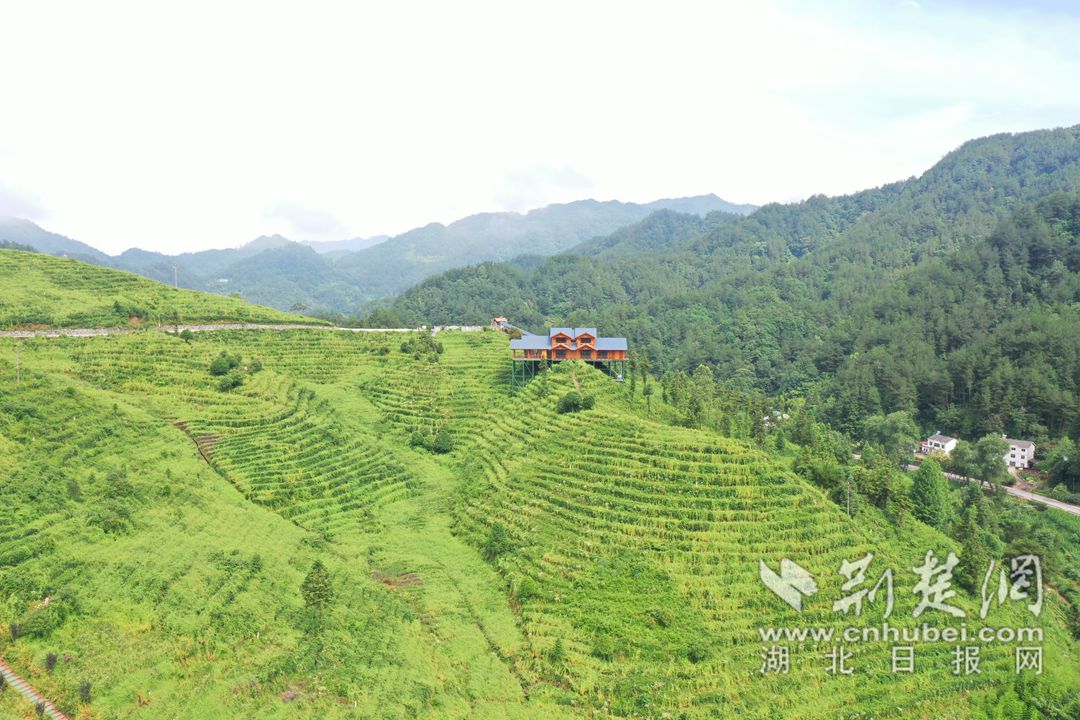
(175, 277)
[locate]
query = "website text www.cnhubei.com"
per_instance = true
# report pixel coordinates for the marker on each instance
(885, 632)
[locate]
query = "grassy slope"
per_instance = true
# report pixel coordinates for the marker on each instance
(43, 290)
(629, 537)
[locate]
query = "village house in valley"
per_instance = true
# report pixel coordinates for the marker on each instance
(938, 443)
(1021, 453)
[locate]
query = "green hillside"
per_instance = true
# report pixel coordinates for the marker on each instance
(592, 564)
(41, 290)
(951, 296)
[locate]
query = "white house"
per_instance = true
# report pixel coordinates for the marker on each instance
(937, 443)
(1021, 453)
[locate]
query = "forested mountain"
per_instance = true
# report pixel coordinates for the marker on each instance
(341, 247)
(24, 232)
(404, 260)
(830, 295)
(336, 278)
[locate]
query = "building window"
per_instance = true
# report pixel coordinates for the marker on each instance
(560, 353)
(601, 354)
(586, 354)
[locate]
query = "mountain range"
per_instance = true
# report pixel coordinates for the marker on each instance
(952, 295)
(337, 278)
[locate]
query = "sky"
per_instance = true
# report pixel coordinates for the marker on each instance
(189, 125)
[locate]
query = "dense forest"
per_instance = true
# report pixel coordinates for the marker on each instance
(951, 295)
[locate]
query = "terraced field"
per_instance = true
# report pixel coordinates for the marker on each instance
(636, 549)
(42, 290)
(591, 564)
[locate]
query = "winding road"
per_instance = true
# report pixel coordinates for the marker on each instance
(1018, 493)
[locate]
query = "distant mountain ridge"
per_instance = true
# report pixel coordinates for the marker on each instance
(404, 260)
(338, 277)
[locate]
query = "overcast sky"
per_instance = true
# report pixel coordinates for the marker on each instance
(187, 125)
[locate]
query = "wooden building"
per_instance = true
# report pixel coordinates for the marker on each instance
(530, 353)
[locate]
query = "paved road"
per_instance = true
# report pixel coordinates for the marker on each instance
(1022, 494)
(27, 691)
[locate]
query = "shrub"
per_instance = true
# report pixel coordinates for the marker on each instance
(661, 617)
(317, 588)
(442, 442)
(570, 402)
(573, 401)
(84, 692)
(234, 379)
(498, 542)
(224, 362)
(50, 662)
(111, 516)
(527, 589)
(697, 652)
(187, 336)
(605, 647)
(255, 365)
(422, 344)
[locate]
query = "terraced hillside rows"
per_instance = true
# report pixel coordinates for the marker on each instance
(590, 564)
(300, 440)
(42, 290)
(633, 553)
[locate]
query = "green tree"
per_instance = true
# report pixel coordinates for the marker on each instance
(929, 494)
(974, 553)
(961, 460)
(896, 434)
(644, 366)
(780, 440)
(1063, 464)
(317, 588)
(988, 457)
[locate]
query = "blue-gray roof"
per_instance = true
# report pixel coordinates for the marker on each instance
(543, 342)
(572, 331)
(531, 342)
(612, 343)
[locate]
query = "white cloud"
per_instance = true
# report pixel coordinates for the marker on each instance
(20, 204)
(203, 124)
(526, 188)
(302, 222)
